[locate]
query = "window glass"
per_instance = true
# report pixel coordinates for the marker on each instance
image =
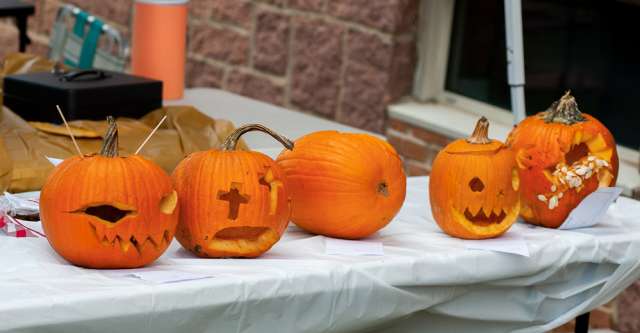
(588, 46)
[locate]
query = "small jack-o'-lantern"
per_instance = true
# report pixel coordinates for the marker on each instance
(345, 185)
(105, 211)
(233, 203)
(562, 155)
(473, 187)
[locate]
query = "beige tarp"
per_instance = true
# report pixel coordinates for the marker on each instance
(23, 145)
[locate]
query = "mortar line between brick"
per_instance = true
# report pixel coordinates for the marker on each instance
(341, 81)
(290, 62)
(406, 136)
(278, 80)
(219, 25)
(226, 68)
(252, 35)
(225, 78)
(423, 164)
(207, 60)
(325, 6)
(275, 80)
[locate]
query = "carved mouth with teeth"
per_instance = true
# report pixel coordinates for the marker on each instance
(105, 217)
(481, 218)
(483, 221)
(132, 242)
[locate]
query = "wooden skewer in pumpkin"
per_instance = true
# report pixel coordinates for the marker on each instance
(73, 138)
(150, 135)
(107, 211)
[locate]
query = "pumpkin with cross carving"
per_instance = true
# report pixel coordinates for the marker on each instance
(233, 203)
(106, 211)
(473, 186)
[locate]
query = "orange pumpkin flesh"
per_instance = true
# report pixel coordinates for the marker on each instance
(343, 185)
(473, 187)
(233, 203)
(105, 211)
(562, 156)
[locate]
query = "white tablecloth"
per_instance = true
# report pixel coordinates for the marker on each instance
(425, 282)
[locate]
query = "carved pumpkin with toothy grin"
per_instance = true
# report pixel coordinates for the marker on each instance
(473, 187)
(105, 211)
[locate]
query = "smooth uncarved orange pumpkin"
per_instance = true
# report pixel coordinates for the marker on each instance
(105, 211)
(473, 187)
(343, 184)
(563, 155)
(233, 203)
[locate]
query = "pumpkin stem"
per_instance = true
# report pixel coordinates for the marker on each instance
(110, 144)
(231, 141)
(480, 134)
(564, 111)
(383, 188)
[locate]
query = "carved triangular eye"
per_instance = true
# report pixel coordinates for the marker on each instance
(107, 213)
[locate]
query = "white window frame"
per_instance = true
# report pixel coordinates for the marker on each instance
(434, 34)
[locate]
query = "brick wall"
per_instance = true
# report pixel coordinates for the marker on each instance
(342, 59)
(417, 145)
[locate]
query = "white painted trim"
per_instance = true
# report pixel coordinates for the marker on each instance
(434, 35)
(434, 32)
(457, 123)
(445, 119)
(475, 106)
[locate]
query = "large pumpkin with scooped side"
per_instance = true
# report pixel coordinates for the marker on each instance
(562, 155)
(473, 186)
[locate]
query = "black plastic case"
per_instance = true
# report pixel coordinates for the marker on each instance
(88, 94)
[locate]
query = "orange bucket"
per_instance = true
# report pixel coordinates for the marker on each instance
(159, 43)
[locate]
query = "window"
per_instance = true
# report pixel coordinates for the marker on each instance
(587, 46)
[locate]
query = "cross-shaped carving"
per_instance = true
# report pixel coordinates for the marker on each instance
(269, 180)
(235, 199)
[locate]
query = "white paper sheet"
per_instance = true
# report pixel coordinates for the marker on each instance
(21, 204)
(510, 242)
(54, 161)
(345, 247)
(160, 276)
(591, 209)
